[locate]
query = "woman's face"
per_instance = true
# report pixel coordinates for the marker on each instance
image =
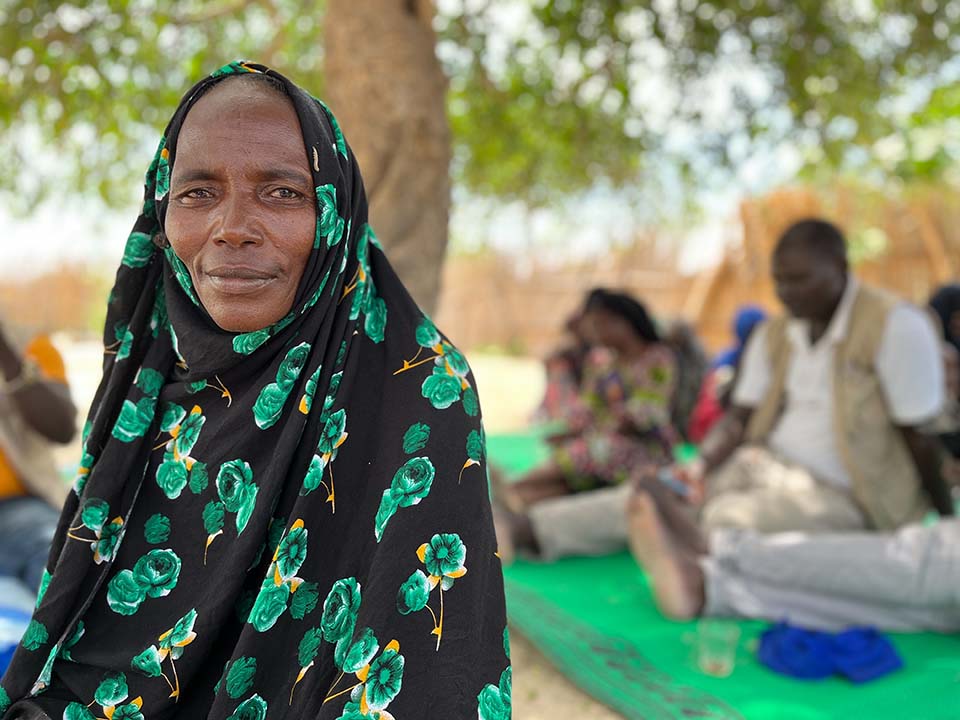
(602, 327)
(242, 214)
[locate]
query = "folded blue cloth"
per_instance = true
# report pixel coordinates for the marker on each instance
(858, 654)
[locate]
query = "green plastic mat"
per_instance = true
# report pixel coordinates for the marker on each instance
(595, 619)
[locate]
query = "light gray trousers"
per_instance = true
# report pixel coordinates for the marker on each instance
(906, 580)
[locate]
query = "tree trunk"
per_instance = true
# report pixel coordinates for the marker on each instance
(386, 87)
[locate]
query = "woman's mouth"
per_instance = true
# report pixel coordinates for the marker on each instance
(238, 279)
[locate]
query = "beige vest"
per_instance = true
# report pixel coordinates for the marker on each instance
(885, 481)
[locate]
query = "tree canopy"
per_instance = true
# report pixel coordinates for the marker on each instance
(546, 99)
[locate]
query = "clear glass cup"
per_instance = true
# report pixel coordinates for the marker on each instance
(716, 646)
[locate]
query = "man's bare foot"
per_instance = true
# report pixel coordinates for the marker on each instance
(676, 576)
(678, 514)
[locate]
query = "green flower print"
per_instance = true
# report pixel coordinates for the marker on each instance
(427, 334)
(157, 572)
(35, 636)
(162, 177)
(495, 703)
(138, 251)
(180, 635)
(148, 662)
(414, 593)
(475, 446)
(292, 365)
(74, 638)
(444, 554)
(506, 642)
(187, 434)
(240, 676)
(130, 711)
(329, 224)
(410, 484)
(254, 708)
(76, 711)
(334, 432)
(270, 604)
(4, 700)
(112, 690)
(413, 481)
(269, 406)
(246, 507)
(213, 517)
(232, 481)
(107, 544)
(304, 600)
(339, 143)
(314, 477)
(309, 647)
(134, 419)
(172, 416)
(416, 438)
(292, 552)
(172, 477)
(94, 514)
(157, 529)
(375, 322)
(471, 405)
(361, 652)
(340, 610)
(441, 389)
(126, 345)
(125, 594)
(247, 343)
(455, 361)
(150, 382)
(306, 402)
(198, 478)
(44, 584)
(182, 274)
(384, 680)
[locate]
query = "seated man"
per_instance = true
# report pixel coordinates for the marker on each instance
(905, 580)
(35, 409)
(824, 432)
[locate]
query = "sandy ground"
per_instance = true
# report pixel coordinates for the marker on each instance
(509, 389)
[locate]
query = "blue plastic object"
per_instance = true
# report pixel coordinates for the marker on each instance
(858, 654)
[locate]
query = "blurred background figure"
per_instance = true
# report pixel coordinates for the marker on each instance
(692, 365)
(715, 390)
(621, 416)
(945, 302)
(35, 411)
(563, 371)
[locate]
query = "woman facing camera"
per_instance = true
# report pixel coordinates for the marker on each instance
(268, 521)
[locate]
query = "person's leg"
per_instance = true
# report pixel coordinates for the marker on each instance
(541, 483)
(730, 593)
(587, 523)
(915, 566)
(675, 575)
(755, 490)
(27, 527)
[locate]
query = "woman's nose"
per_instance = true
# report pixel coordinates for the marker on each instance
(233, 223)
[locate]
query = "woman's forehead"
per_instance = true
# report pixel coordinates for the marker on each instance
(241, 124)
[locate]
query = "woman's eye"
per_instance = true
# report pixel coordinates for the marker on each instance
(196, 194)
(285, 193)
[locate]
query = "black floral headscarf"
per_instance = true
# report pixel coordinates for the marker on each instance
(285, 523)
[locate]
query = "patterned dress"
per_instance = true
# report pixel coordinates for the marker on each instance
(287, 523)
(621, 419)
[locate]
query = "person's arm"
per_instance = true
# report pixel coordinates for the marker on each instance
(911, 369)
(925, 451)
(44, 404)
(725, 437)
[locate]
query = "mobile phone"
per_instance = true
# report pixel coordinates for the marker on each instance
(667, 478)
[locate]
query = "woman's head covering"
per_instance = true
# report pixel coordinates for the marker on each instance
(626, 307)
(746, 320)
(946, 304)
(295, 508)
